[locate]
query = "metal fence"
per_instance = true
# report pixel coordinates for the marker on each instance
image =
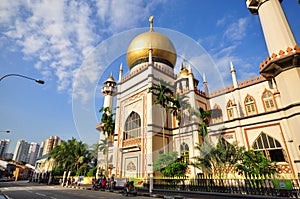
(274, 185)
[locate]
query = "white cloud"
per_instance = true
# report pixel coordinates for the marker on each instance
(59, 35)
(236, 30)
(123, 14)
(224, 46)
(8, 11)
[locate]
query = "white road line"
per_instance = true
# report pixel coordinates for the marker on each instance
(53, 197)
(40, 194)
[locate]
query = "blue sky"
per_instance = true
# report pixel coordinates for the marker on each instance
(58, 41)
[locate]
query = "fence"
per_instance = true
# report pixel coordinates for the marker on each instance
(273, 185)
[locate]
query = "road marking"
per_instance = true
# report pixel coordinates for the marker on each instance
(53, 197)
(40, 194)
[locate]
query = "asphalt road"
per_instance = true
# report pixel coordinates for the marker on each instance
(25, 190)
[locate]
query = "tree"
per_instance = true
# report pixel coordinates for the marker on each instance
(83, 170)
(103, 147)
(108, 121)
(204, 117)
(108, 128)
(170, 165)
(255, 163)
(92, 172)
(163, 97)
(179, 103)
(70, 155)
(218, 159)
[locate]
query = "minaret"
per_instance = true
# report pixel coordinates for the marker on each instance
(233, 75)
(120, 72)
(205, 85)
(191, 79)
(277, 32)
(109, 91)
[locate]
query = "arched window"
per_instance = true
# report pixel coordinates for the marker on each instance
(250, 105)
(132, 126)
(216, 114)
(270, 147)
(184, 152)
(268, 100)
(230, 110)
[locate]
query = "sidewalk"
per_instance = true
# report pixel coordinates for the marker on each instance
(82, 186)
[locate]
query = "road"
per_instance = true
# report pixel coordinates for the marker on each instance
(25, 190)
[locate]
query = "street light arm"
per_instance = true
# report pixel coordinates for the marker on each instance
(18, 75)
(6, 131)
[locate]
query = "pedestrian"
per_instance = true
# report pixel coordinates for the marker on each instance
(104, 182)
(112, 182)
(100, 181)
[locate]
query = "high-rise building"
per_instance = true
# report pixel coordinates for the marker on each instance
(21, 151)
(40, 153)
(4, 144)
(50, 143)
(8, 156)
(32, 153)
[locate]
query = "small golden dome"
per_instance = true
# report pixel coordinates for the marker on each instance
(110, 79)
(163, 49)
(183, 72)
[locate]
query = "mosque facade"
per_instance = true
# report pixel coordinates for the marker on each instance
(261, 113)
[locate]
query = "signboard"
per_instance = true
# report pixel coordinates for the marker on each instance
(120, 182)
(283, 184)
(137, 182)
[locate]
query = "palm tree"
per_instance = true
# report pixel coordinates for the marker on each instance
(103, 147)
(108, 121)
(163, 98)
(204, 117)
(108, 124)
(179, 104)
(70, 155)
(61, 156)
(80, 154)
(108, 128)
(175, 108)
(219, 159)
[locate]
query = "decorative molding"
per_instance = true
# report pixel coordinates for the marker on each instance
(281, 54)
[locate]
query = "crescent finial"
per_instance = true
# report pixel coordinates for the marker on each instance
(151, 23)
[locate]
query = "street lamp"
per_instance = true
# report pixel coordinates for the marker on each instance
(6, 131)
(36, 80)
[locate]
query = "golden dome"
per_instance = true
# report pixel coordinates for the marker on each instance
(110, 79)
(183, 72)
(163, 49)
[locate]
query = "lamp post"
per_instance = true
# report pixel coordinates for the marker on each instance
(18, 75)
(150, 175)
(5, 131)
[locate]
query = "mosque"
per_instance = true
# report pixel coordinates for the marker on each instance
(262, 112)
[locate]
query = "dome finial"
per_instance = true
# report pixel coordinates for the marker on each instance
(151, 23)
(183, 65)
